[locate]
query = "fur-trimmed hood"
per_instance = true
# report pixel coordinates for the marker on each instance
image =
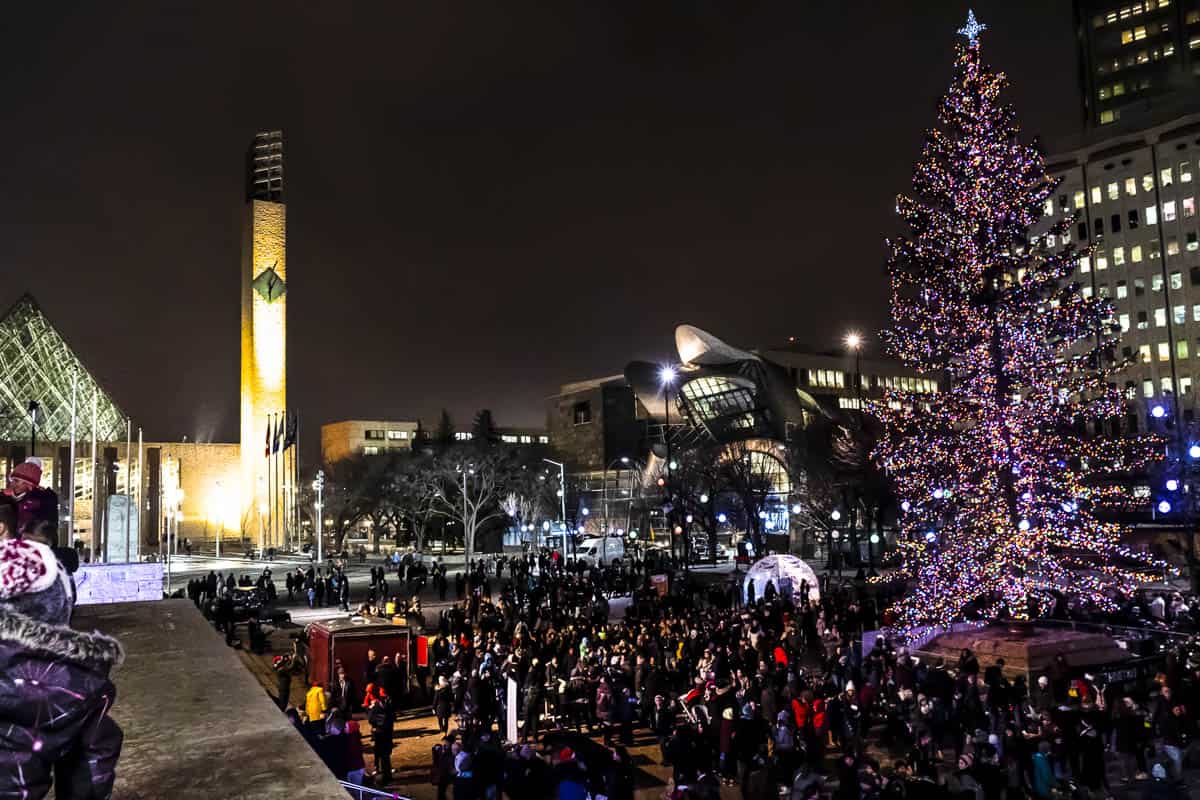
(58, 642)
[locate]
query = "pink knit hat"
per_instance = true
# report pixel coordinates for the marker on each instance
(30, 471)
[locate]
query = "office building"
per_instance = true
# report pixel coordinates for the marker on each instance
(1139, 61)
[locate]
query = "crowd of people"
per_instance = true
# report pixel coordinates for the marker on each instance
(766, 695)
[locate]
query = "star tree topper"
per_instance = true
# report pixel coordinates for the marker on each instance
(972, 29)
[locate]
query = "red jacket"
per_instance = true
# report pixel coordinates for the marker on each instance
(780, 655)
(802, 713)
(818, 715)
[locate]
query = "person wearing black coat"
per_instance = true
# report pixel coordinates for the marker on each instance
(443, 704)
(383, 719)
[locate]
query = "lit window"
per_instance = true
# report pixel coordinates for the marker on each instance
(1179, 314)
(1165, 383)
(1139, 287)
(826, 378)
(1176, 280)
(1156, 283)
(1160, 317)
(1079, 199)
(1085, 264)
(1185, 385)
(1048, 207)
(1118, 89)
(543, 439)
(1147, 388)
(1189, 207)
(1148, 182)
(1118, 256)
(371, 450)
(1191, 242)
(463, 436)
(508, 438)
(1101, 261)
(374, 434)
(1181, 348)
(1169, 211)
(1196, 313)
(1144, 353)
(1164, 176)
(1124, 320)
(397, 435)
(1185, 172)
(1126, 36)
(1173, 246)
(1164, 352)
(1086, 291)
(1097, 197)
(1135, 253)
(526, 439)
(1114, 190)
(1139, 33)
(1151, 215)
(1122, 290)
(1102, 291)
(1142, 321)
(1130, 187)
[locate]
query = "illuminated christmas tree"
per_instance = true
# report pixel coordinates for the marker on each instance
(997, 475)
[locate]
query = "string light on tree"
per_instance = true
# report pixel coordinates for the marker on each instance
(976, 296)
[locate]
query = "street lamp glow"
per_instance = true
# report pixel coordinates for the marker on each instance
(874, 538)
(585, 512)
(1164, 507)
(1158, 412)
(930, 536)
(835, 535)
(667, 375)
(796, 509)
(835, 515)
(624, 459)
(1023, 525)
(1172, 485)
(1194, 451)
(721, 518)
(853, 340)
(703, 498)
(546, 525)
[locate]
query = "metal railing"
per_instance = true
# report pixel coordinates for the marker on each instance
(364, 792)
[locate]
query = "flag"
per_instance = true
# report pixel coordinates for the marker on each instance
(267, 449)
(278, 433)
(289, 438)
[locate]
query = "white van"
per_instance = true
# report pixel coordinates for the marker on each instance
(601, 550)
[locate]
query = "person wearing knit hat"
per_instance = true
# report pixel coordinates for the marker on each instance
(37, 508)
(56, 695)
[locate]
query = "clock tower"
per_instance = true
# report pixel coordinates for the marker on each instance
(264, 336)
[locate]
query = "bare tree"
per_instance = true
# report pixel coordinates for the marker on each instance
(417, 486)
(472, 486)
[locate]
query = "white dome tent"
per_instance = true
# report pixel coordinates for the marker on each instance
(779, 569)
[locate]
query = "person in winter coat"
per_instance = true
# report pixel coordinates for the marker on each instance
(1043, 774)
(314, 706)
(383, 719)
(37, 508)
(443, 704)
(56, 692)
(355, 767)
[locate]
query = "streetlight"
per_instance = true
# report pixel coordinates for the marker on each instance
(667, 376)
(562, 497)
(33, 412)
(854, 341)
(318, 487)
(604, 487)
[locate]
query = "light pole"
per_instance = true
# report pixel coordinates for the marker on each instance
(318, 487)
(33, 412)
(604, 489)
(666, 376)
(562, 497)
(854, 342)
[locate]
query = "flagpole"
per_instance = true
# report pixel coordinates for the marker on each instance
(96, 550)
(279, 479)
(128, 477)
(71, 469)
(296, 478)
(139, 493)
(270, 479)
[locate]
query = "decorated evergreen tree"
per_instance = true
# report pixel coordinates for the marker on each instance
(997, 476)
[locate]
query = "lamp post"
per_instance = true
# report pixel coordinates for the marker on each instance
(666, 376)
(33, 412)
(604, 488)
(854, 342)
(562, 497)
(318, 487)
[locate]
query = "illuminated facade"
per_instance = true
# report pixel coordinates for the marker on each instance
(264, 327)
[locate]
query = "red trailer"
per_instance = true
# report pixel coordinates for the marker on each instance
(348, 640)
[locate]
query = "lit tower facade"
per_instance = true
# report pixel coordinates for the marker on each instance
(264, 329)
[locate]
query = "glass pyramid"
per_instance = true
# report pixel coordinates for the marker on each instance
(36, 364)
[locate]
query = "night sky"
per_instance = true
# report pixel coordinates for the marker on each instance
(485, 200)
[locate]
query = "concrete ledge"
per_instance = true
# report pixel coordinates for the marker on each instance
(1028, 655)
(196, 722)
